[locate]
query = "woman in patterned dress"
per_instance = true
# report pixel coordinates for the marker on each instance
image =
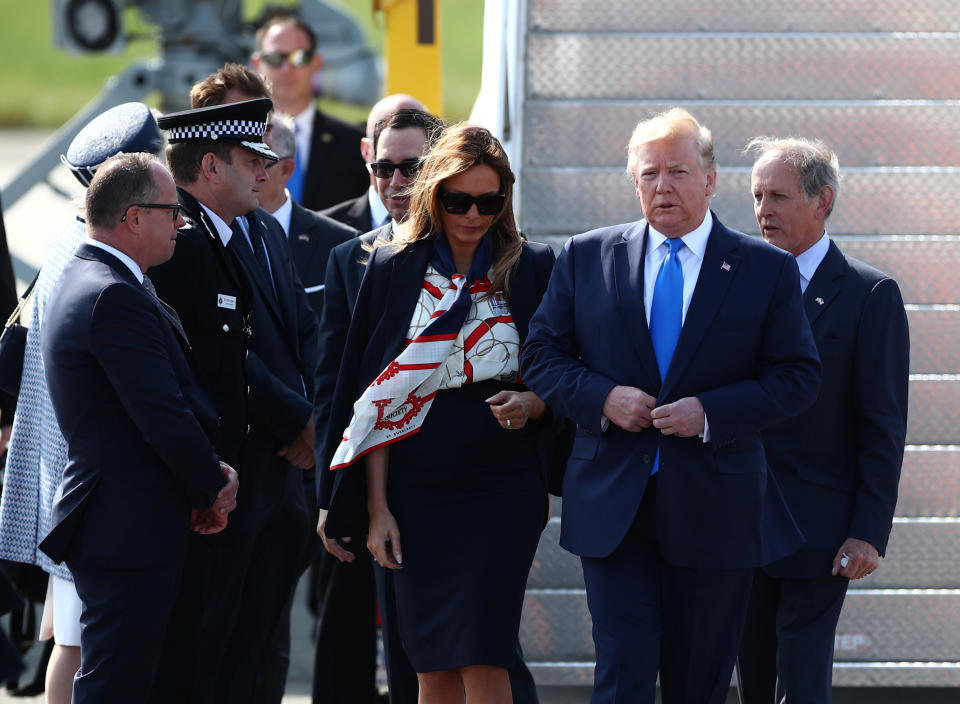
(450, 487)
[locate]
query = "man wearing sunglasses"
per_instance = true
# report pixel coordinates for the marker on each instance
(367, 212)
(328, 167)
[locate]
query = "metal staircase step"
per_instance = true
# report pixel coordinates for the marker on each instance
(930, 481)
(934, 339)
(933, 416)
(692, 66)
(736, 15)
(894, 201)
(864, 133)
(903, 625)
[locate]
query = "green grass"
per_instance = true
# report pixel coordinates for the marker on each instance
(44, 86)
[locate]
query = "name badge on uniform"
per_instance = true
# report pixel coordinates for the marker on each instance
(225, 301)
(498, 302)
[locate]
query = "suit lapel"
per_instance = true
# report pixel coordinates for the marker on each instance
(628, 259)
(86, 251)
(523, 297)
(825, 284)
(256, 273)
(301, 240)
(717, 271)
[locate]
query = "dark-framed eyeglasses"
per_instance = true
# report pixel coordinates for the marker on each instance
(457, 203)
(173, 207)
(384, 169)
(297, 58)
(271, 164)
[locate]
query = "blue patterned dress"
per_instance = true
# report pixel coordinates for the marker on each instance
(38, 453)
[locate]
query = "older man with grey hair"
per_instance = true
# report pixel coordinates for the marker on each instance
(311, 235)
(837, 463)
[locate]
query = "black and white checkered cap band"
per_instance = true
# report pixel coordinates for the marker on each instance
(216, 130)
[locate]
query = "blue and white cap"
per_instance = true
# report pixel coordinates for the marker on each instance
(129, 128)
(244, 123)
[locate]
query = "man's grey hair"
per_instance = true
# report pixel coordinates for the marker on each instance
(815, 164)
(282, 134)
(120, 181)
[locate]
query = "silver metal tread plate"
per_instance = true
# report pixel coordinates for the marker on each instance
(687, 66)
(863, 133)
(922, 554)
(875, 625)
(894, 201)
(736, 15)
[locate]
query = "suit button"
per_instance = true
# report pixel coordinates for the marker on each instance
(226, 328)
(248, 428)
(248, 391)
(647, 459)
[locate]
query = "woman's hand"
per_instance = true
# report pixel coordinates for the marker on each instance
(513, 409)
(383, 539)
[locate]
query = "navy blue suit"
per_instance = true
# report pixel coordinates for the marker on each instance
(139, 427)
(746, 352)
(838, 464)
(354, 212)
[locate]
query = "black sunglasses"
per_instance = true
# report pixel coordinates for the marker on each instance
(457, 203)
(298, 58)
(384, 169)
(175, 207)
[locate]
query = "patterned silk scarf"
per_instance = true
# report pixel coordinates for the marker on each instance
(397, 401)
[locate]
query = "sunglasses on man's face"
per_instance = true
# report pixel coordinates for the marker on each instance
(384, 169)
(297, 59)
(457, 203)
(173, 207)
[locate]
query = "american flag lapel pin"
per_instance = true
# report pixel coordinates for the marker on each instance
(819, 300)
(725, 266)
(303, 238)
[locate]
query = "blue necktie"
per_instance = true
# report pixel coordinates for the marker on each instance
(666, 313)
(295, 184)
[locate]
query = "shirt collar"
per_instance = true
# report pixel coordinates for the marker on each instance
(695, 241)
(223, 228)
(127, 261)
(378, 211)
(284, 213)
(809, 260)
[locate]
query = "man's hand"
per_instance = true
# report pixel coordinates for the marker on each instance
(299, 453)
(5, 432)
(214, 519)
(629, 408)
(862, 559)
(331, 544)
(684, 417)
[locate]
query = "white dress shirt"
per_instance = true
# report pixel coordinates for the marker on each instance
(808, 261)
(691, 258)
(283, 214)
(128, 262)
(378, 211)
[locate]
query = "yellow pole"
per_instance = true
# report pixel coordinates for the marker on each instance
(412, 50)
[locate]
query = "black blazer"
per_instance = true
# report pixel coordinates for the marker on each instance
(354, 212)
(336, 170)
(838, 462)
(385, 303)
(205, 284)
(281, 363)
(345, 269)
(138, 423)
(311, 237)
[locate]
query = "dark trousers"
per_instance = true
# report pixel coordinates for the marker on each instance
(787, 646)
(122, 627)
(650, 618)
(345, 662)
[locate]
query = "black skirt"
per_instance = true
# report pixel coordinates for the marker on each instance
(470, 504)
